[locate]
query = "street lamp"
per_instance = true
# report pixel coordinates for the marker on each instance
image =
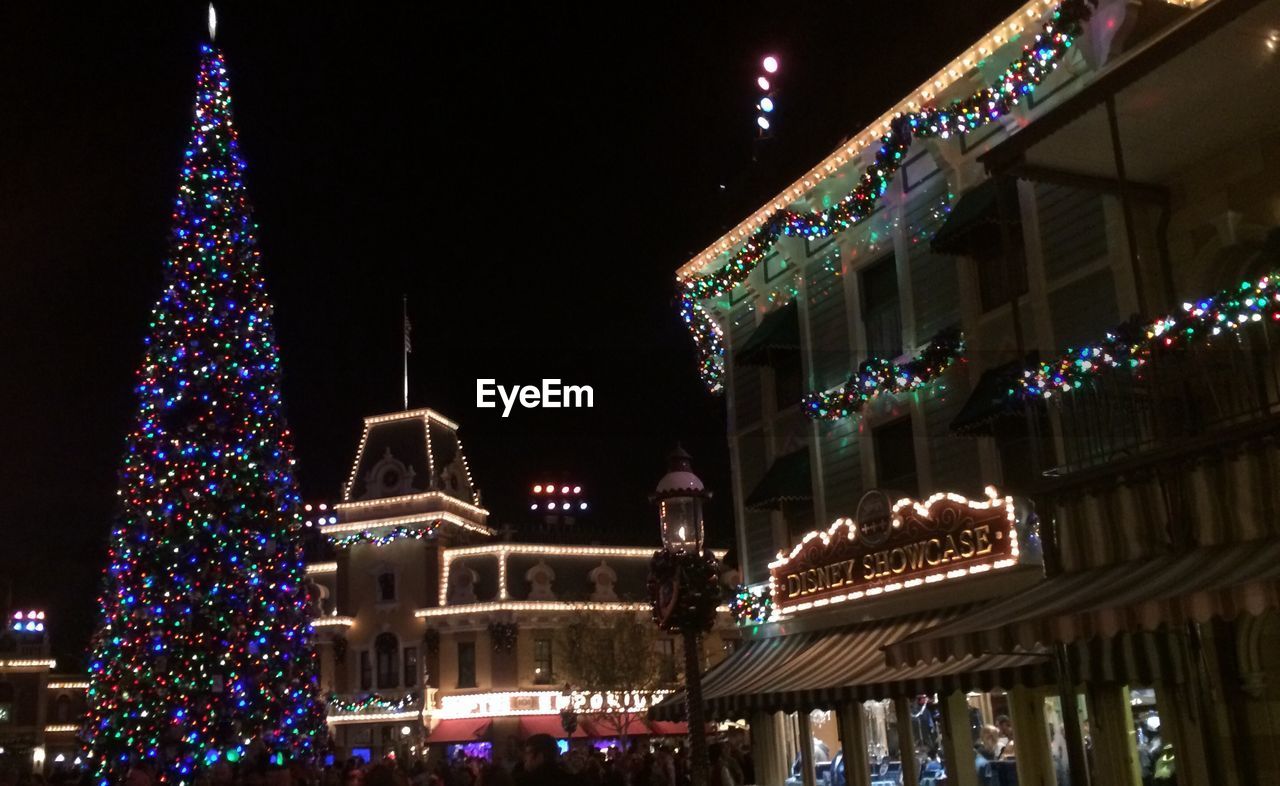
(684, 587)
(679, 497)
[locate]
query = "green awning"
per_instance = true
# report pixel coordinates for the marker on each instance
(973, 222)
(778, 331)
(787, 479)
(991, 398)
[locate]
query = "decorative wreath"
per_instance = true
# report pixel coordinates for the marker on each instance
(684, 588)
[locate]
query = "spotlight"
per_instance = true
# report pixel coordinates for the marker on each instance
(771, 64)
(763, 122)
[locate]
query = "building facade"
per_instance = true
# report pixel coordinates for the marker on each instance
(40, 709)
(438, 630)
(1070, 302)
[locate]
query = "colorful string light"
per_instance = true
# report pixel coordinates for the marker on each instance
(751, 605)
(1036, 61)
(205, 649)
(879, 375)
(1131, 345)
(372, 702)
(383, 538)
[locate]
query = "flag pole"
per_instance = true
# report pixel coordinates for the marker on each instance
(405, 308)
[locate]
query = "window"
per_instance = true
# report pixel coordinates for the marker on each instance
(788, 379)
(411, 667)
(988, 252)
(466, 664)
(665, 650)
(543, 672)
(366, 670)
(386, 587)
(62, 709)
(387, 650)
(881, 315)
(895, 447)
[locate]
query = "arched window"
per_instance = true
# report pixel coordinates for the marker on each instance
(386, 587)
(387, 656)
(62, 709)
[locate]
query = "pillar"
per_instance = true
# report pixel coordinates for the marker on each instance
(805, 733)
(853, 742)
(767, 748)
(1115, 750)
(957, 741)
(907, 742)
(1030, 738)
(1183, 725)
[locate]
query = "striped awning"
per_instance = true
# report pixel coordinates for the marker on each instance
(1119, 607)
(820, 669)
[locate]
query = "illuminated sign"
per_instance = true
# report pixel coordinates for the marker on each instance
(895, 545)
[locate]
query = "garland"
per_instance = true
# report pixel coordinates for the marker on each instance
(371, 701)
(1131, 345)
(751, 606)
(684, 588)
(1020, 78)
(367, 536)
(879, 375)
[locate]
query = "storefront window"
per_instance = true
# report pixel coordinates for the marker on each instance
(1055, 730)
(1155, 753)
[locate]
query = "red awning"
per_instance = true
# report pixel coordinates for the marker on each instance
(459, 730)
(541, 724)
(598, 727)
(669, 728)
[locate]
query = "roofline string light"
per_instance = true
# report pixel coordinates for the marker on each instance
(1038, 59)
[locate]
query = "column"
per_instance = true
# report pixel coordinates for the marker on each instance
(1115, 750)
(853, 741)
(1183, 725)
(907, 742)
(1030, 738)
(957, 742)
(805, 733)
(767, 748)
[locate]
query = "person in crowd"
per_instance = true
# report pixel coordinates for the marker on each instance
(720, 774)
(985, 754)
(1004, 739)
(540, 764)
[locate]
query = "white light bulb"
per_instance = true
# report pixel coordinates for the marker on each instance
(763, 122)
(770, 64)
(763, 82)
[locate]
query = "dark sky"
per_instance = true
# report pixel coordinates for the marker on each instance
(530, 176)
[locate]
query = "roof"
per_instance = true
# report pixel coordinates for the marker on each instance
(409, 452)
(836, 164)
(821, 669)
(1134, 596)
(788, 478)
(1213, 62)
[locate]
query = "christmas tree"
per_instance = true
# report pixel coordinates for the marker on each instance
(205, 651)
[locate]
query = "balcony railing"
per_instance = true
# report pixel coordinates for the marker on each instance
(1175, 402)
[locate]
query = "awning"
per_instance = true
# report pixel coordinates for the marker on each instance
(818, 670)
(1127, 601)
(541, 724)
(787, 479)
(991, 399)
(779, 330)
(973, 222)
(459, 730)
(600, 727)
(662, 728)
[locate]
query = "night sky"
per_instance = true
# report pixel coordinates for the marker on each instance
(530, 177)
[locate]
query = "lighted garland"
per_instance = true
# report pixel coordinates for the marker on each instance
(751, 605)
(1131, 345)
(684, 588)
(1037, 59)
(382, 539)
(879, 375)
(371, 702)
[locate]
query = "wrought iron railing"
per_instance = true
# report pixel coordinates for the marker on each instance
(1174, 400)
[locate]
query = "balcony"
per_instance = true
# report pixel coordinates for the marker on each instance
(1174, 406)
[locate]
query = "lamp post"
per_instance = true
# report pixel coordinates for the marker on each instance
(684, 587)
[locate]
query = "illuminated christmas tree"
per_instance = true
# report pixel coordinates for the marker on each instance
(205, 651)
